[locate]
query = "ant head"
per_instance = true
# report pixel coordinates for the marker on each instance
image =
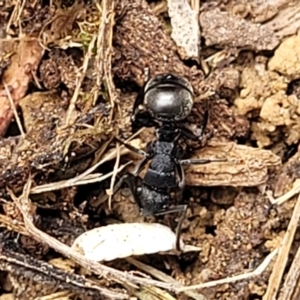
(168, 97)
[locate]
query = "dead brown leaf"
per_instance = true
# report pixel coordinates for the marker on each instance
(63, 21)
(17, 77)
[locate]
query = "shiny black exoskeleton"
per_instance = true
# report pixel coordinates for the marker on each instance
(165, 98)
(165, 102)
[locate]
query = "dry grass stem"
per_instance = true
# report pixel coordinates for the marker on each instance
(259, 270)
(79, 83)
(73, 182)
(109, 15)
(291, 193)
(103, 59)
(114, 175)
(283, 255)
(102, 150)
(162, 276)
(15, 15)
(195, 4)
(99, 61)
(153, 293)
(290, 289)
(64, 295)
(109, 156)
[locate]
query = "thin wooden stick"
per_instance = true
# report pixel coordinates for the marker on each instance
(291, 287)
(288, 195)
(114, 175)
(261, 268)
(283, 255)
(163, 277)
(79, 83)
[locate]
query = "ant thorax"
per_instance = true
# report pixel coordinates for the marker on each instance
(163, 148)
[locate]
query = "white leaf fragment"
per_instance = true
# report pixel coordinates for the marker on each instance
(185, 28)
(122, 240)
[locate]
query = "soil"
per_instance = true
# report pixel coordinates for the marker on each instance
(70, 72)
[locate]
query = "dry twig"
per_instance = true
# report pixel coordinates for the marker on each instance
(85, 64)
(114, 175)
(108, 12)
(283, 254)
(259, 270)
(244, 166)
(64, 295)
(71, 182)
(291, 287)
(103, 59)
(288, 195)
(162, 276)
(28, 267)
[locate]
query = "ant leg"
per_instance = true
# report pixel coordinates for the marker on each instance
(178, 208)
(179, 226)
(181, 185)
(139, 167)
(181, 175)
(199, 161)
(189, 134)
(122, 180)
(132, 148)
(131, 181)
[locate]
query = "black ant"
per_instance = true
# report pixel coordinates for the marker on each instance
(165, 101)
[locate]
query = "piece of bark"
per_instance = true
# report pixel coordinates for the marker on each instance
(245, 166)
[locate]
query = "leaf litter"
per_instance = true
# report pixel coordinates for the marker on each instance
(185, 28)
(76, 93)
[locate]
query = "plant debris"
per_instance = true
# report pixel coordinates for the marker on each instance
(123, 240)
(222, 28)
(185, 28)
(46, 277)
(245, 166)
(17, 76)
